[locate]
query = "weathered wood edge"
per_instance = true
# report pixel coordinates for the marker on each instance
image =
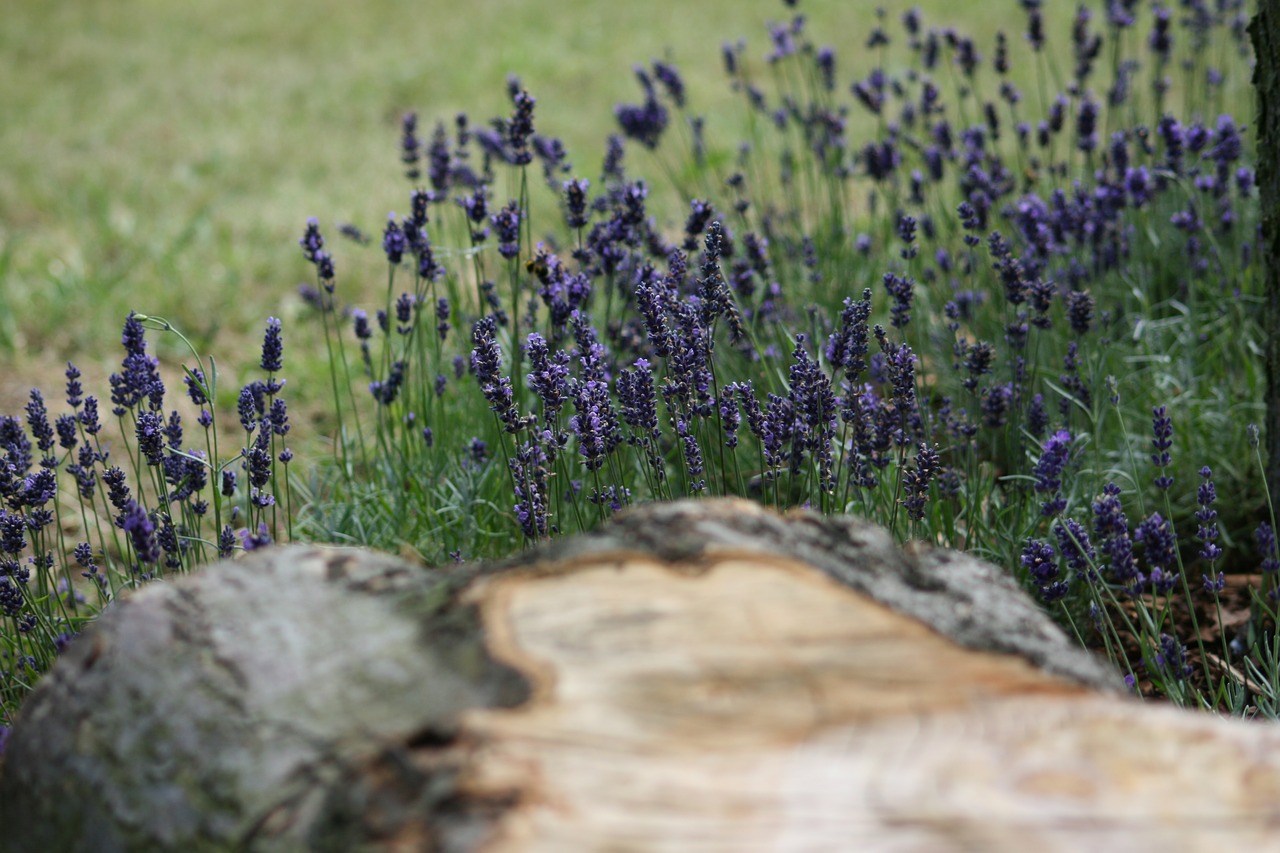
(972, 602)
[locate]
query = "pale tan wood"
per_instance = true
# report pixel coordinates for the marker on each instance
(758, 705)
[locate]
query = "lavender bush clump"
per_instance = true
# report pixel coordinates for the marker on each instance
(87, 512)
(899, 287)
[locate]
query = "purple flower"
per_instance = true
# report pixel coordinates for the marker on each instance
(476, 206)
(83, 471)
(251, 541)
(410, 145)
(1174, 138)
(272, 351)
(529, 473)
(486, 364)
(1041, 563)
(700, 213)
(258, 460)
(847, 349)
(1080, 307)
(139, 378)
(729, 53)
(1010, 269)
(428, 268)
(652, 299)
(995, 404)
(1171, 658)
(41, 431)
(1160, 545)
(142, 533)
(1160, 40)
(825, 59)
(902, 289)
(385, 391)
(1265, 540)
(393, 240)
(353, 233)
(117, 489)
(594, 423)
(776, 429)
(548, 376)
(75, 392)
(404, 313)
(643, 122)
(692, 457)
(814, 405)
(150, 433)
(442, 317)
(1048, 471)
(520, 128)
(196, 385)
(1087, 124)
(575, 201)
(900, 363)
(226, 542)
(1075, 547)
(360, 323)
(506, 223)
(11, 603)
(1035, 26)
(730, 415)
(671, 81)
(613, 497)
(247, 407)
(1162, 429)
(1037, 417)
(638, 400)
(228, 487)
(916, 481)
(13, 530)
(907, 229)
(612, 168)
(1207, 531)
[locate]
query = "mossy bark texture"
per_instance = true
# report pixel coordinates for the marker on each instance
(701, 675)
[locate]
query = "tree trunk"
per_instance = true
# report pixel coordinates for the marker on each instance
(700, 675)
(1265, 29)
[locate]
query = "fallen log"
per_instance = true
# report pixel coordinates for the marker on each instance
(699, 675)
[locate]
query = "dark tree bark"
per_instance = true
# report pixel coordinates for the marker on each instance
(1265, 30)
(701, 675)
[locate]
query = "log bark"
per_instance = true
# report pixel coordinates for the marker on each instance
(1265, 31)
(700, 675)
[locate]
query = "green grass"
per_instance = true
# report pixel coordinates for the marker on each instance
(162, 157)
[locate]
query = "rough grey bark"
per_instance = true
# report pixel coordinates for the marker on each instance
(1265, 30)
(307, 698)
(229, 708)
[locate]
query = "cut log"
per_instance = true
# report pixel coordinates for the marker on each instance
(700, 675)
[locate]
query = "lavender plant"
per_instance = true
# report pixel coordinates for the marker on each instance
(919, 328)
(88, 512)
(933, 280)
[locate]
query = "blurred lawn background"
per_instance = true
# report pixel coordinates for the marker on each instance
(163, 157)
